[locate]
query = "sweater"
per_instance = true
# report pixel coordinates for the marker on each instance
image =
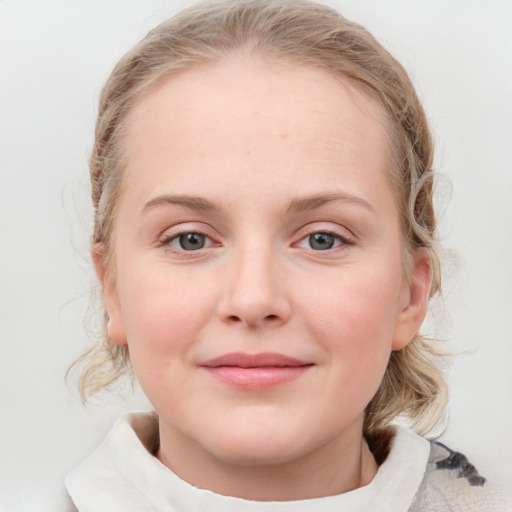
(417, 476)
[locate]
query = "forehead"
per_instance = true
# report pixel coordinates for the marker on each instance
(249, 115)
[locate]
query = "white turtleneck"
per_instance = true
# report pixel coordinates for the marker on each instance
(123, 475)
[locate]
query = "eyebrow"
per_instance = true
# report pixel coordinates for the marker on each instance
(316, 201)
(192, 202)
(298, 205)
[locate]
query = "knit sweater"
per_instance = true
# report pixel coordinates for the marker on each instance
(417, 476)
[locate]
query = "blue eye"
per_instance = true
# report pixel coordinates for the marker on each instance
(190, 241)
(322, 241)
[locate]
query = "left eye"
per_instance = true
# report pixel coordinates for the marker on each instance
(321, 241)
(190, 241)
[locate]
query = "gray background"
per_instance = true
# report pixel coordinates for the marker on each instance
(54, 57)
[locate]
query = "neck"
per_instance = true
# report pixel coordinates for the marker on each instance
(339, 466)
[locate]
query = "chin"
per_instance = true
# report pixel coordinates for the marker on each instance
(250, 446)
(260, 453)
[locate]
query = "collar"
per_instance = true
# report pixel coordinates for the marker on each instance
(123, 475)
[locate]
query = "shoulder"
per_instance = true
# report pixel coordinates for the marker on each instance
(452, 483)
(120, 473)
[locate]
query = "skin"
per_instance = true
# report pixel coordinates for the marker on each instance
(257, 141)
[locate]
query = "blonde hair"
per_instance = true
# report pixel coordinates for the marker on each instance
(296, 31)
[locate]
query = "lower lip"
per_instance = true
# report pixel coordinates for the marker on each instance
(257, 379)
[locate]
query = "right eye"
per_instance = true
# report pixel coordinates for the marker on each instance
(323, 241)
(191, 241)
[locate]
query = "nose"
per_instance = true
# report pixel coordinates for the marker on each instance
(255, 294)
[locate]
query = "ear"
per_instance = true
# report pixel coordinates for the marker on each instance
(414, 300)
(115, 325)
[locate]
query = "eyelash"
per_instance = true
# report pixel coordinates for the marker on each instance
(166, 241)
(342, 240)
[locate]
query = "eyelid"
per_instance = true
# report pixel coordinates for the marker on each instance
(184, 228)
(339, 244)
(326, 227)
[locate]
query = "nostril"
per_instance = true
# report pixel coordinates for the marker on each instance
(268, 318)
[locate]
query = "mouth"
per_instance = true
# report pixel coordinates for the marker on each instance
(256, 372)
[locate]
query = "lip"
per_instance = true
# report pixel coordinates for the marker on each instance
(255, 371)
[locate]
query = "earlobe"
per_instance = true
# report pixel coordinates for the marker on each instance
(115, 324)
(415, 300)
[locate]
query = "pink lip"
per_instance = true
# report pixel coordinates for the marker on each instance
(255, 371)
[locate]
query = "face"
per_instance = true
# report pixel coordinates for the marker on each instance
(258, 270)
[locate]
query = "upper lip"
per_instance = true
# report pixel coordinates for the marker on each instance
(262, 360)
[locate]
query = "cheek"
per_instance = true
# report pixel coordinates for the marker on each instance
(355, 321)
(163, 312)
(355, 299)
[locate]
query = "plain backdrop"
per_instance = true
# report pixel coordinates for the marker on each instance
(54, 57)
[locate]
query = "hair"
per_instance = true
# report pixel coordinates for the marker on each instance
(292, 31)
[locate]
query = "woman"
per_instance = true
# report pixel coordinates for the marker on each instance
(266, 243)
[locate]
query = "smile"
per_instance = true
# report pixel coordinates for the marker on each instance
(255, 372)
